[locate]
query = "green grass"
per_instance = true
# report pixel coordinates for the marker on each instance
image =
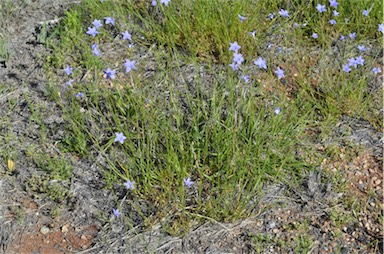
(215, 129)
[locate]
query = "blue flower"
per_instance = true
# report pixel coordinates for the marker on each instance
(68, 70)
(333, 3)
(165, 2)
(376, 70)
(280, 73)
(381, 28)
(129, 185)
(253, 33)
(361, 48)
(245, 78)
(95, 50)
(365, 13)
(315, 36)
(335, 13)
(109, 20)
(271, 16)
(92, 31)
(79, 95)
(284, 13)
(237, 58)
(110, 73)
(342, 37)
(242, 18)
(352, 62)
(129, 65)
(352, 35)
(120, 137)
(234, 66)
(321, 8)
(332, 22)
(277, 110)
(261, 63)
(69, 83)
(116, 212)
(346, 68)
(234, 47)
(154, 2)
(97, 23)
(188, 182)
(126, 36)
(360, 60)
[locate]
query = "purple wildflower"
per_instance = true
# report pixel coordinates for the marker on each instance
(261, 63)
(129, 65)
(253, 33)
(376, 70)
(352, 35)
(361, 48)
(68, 70)
(360, 60)
(280, 73)
(120, 137)
(116, 212)
(234, 47)
(110, 73)
(332, 22)
(277, 110)
(188, 182)
(129, 185)
(154, 2)
(97, 23)
(381, 28)
(96, 52)
(79, 95)
(92, 31)
(237, 58)
(365, 13)
(346, 68)
(352, 62)
(333, 3)
(69, 83)
(109, 20)
(234, 66)
(335, 13)
(245, 78)
(126, 36)
(242, 18)
(284, 13)
(271, 16)
(165, 2)
(321, 8)
(315, 36)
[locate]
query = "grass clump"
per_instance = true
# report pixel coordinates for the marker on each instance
(202, 141)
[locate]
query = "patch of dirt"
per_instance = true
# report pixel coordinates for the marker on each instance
(302, 215)
(46, 240)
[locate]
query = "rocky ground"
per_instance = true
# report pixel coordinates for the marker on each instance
(32, 223)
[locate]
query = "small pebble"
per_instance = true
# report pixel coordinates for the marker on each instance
(64, 229)
(44, 230)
